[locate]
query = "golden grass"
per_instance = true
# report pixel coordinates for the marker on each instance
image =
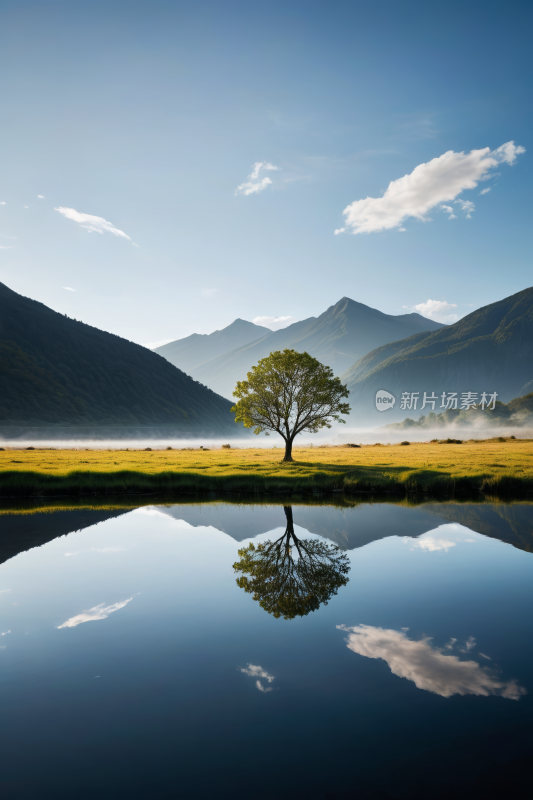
(490, 466)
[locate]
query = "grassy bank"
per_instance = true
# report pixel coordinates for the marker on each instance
(493, 467)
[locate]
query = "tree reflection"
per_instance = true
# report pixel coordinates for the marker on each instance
(291, 577)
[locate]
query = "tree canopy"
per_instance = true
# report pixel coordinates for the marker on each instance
(291, 577)
(288, 393)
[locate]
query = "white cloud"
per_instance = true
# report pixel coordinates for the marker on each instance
(449, 210)
(485, 191)
(428, 667)
(26, 206)
(69, 289)
(255, 671)
(438, 181)
(252, 188)
(259, 165)
(208, 292)
(338, 230)
(6, 247)
(431, 543)
(2, 203)
(436, 309)
(98, 612)
(40, 196)
(97, 550)
(153, 345)
(275, 323)
(255, 185)
(5, 633)
(508, 152)
(91, 223)
(467, 206)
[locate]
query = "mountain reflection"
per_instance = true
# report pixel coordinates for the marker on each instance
(291, 577)
(430, 668)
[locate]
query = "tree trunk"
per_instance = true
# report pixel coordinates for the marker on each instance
(288, 450)
(289, 528)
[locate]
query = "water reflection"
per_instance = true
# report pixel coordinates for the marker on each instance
(100, 611)
(352, 524)
(430, 668)
(256, 671)
(291, 577)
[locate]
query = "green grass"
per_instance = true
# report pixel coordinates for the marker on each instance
(491, 467)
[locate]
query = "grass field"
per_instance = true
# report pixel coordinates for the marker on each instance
(494, 467)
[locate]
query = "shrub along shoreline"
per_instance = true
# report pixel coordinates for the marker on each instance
(495, 468)
(32, 484)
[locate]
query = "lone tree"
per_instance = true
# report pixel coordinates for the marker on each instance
(289, 392)
(291, 577)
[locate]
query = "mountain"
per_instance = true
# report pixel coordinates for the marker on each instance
(21, 532)
(350, 528)
(338, 337)
(188, 353)
(490, 350)
(55, 370)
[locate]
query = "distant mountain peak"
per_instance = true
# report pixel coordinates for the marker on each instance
(191, 351)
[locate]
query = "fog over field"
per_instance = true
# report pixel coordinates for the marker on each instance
(348, 435)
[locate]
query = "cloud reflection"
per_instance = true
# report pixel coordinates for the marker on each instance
(98, 612)
(255, 671)
(97, 550)
(432, 543)
(441, 538)
(430, 668)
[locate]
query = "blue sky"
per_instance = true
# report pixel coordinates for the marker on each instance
(149, 115)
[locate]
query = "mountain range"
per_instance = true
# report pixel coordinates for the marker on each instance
(489, 350)
(338, 337)
(58, 371)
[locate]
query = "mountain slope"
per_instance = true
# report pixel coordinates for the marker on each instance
(338, 337)
(190, 352)
(490, 350)
(57, 370)
(21, 532)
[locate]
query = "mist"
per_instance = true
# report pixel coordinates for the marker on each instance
(333, 437)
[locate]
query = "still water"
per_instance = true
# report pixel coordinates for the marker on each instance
(382, 651)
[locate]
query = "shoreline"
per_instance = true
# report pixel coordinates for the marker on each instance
(492, 468)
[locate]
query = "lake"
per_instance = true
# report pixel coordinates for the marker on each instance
(377, 650)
